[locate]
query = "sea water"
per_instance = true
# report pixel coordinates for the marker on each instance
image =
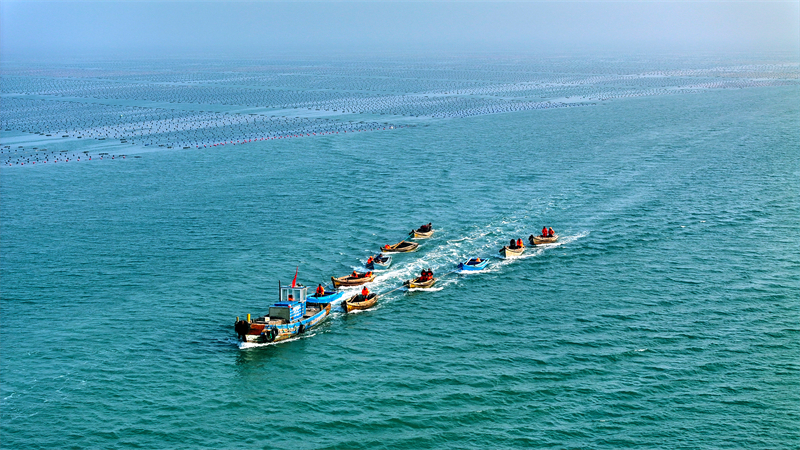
(665, 317)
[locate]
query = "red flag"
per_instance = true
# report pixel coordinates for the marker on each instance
(295, 276)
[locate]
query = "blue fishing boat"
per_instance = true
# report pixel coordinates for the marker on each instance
(473, 264)
(293, 314)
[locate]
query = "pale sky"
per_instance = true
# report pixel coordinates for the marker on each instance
(259, 29)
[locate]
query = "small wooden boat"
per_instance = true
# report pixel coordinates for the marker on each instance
(400, 247)
(473, 264)
(379, 261)
(358, 302)
(292, 315)
(417, 284)
(509, 252)
(536, 240)
(350, 280)
(423, 232)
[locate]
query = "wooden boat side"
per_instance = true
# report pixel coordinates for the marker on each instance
(511, 252)
(401, 247)
(351, 305)
(536, 240)
(415, 284)
(350, 281)
(416, 234)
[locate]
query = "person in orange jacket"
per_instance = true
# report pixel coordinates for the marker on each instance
(320, 291)
(365, 292)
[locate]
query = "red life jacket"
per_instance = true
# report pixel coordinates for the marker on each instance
(544, 231)
(365, 292)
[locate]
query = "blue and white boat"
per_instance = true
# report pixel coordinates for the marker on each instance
(292, 315)
(329, 297)
(473, 264)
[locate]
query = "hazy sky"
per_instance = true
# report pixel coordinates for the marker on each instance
(45, 29)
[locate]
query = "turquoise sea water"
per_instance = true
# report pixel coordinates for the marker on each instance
(667, 317)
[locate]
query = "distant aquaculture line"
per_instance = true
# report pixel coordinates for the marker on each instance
(269, 100)
(164, 127)
(22, 155)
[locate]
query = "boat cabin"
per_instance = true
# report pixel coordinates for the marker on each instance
(298, 293)
(291, 306)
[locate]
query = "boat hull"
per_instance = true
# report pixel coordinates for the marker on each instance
(327, 298)
(350, 281)
(416, 284)
(379, 265)
(354, 304)
(537, 240)
(266, 333)
(512, 252)
(416, 234)
(401, 247)
(476, 267)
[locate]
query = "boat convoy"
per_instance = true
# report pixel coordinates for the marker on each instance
(296, 312)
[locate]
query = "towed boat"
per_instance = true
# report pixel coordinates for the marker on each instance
(358, 302)
(379, 261)
(292, 315)
(328, 297)
(419, 233)
(423, 232)
(473, 264)
(416, 283)
(400, 247)
(350, 280)
(536, 240)
(509, 252)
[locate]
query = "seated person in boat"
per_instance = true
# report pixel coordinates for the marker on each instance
(368, 274)
(550, 232)
(520, 244)
(364, 293)
(387, 246)
(320, 292)
(513, 244)
(544, 231)
(380, 258)
(425, 228)
(475, 261)
(354, 274)
(370, 260)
